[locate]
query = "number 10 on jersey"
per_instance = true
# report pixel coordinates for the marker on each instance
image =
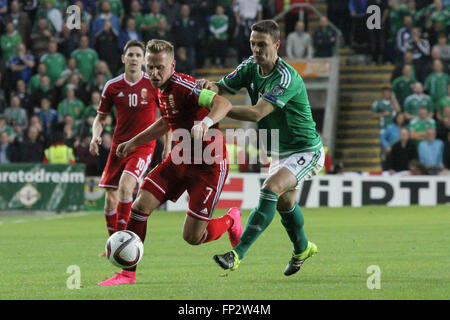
(133, 99)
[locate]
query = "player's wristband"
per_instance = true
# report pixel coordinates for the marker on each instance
(208, 121)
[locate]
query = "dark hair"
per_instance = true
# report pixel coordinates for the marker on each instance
(133, 43)
(268, 26)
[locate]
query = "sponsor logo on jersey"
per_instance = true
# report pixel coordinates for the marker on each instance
(144, 93)
(120, 95)
(204, 211)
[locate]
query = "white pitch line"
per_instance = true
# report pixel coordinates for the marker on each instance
(48, 217)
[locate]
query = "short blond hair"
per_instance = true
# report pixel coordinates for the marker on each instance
(157, 46)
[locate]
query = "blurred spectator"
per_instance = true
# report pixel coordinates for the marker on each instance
(419, 125)
(135, 12)
(21, 65)
(82, 155)
(436, 19)
(86, 58)
(404, 34)
(70, 131)
(437, 82)
(431, 152)
(115, 5)
(402, 86)
(419, 46)
(78, 86)
(417, 100)
(339, 14)
(59, 152)
(24, 96)
(105, 45)
(9, 42)
(86, 17)
(89, 113)
(402, 152)
(183, 64)
(104, 15)
(324, 39)
(71, 38)
(392, 132)
(44, 90)
(71, 69)
(101, 67)
(299, 43)
(170, 8)
(35, 80)
(72, 106)
(30, 7)
(54, 61)
(8, 152)
(442, 105)
(47, 116)
(407, 60)
(184, 32)
(385, 108)
(416, 168)
(5, 127)
(444, 48)
(358, 13)
(377, 37)
(15, 115)
(247, 12)
(150, 20)
(218, 27)
(443, 126)
(32, 148)
(52, 14)
(162, 31)
(128, 33)
(21, 21)
(40, 38)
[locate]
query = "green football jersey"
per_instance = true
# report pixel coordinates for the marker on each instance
(444, 102)
(419, 125)
(414, 102)
(86, 60)
(402, 87)
(436, 85)
(285, 89)
(56, 64)
(382, 105)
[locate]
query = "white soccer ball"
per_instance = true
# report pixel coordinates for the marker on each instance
(124, 249)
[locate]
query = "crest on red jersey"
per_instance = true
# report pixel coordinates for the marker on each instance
(144, 93)
(171, 100)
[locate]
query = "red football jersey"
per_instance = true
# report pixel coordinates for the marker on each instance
(178, 103)
(135, 104)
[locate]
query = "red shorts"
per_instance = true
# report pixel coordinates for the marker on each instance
(135, 164)
(203, 183)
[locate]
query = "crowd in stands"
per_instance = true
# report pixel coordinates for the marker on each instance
(414, 111)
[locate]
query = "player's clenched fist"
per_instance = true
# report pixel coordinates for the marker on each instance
(93, 146)
(124, 149)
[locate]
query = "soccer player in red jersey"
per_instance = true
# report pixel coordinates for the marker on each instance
(184, 108)
(136, 102)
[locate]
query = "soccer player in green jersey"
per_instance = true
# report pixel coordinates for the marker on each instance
(280, 102)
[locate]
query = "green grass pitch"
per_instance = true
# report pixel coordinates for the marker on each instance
(410, 245)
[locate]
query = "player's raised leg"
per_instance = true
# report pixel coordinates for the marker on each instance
(140, 211)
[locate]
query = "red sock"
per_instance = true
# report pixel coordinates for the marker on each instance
(111, 221)
(137, 224)
(216, 228)
(123, 213)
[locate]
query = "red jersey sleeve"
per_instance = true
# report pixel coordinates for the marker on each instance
(106, 101)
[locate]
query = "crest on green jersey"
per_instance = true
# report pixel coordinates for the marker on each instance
(277, 90)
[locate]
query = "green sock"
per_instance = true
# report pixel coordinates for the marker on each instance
(293, 222)
(258, 221)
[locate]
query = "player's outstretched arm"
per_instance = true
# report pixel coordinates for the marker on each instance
(97, 129)
(156, 130)
(253, 113)
(213, 86)
(220, 106)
